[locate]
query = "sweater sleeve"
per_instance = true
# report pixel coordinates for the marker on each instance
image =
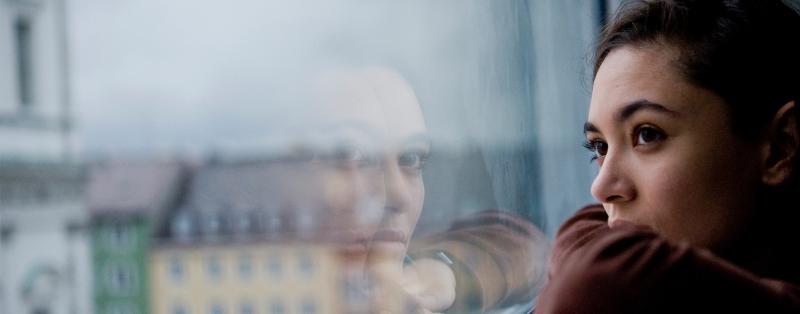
(499, 259)
(595, 268)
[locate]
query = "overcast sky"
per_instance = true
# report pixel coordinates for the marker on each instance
(186, 76)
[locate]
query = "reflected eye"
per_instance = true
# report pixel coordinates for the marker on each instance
(351, 157)
(414, 160)
(598, 147)
(648, 135)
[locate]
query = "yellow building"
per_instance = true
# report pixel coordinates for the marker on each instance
(244, 279)
(237, 243)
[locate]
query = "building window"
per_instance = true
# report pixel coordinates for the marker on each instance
(244, 223)
(273, 223)
(355, 287)
(216, 308)
(23, 41)
(213, 267)
(305, 221)
(308, 306)
(276, 307)
(274, 266)
(305, 264)
(212, 225)
(121, 278)
(182, 227)
(179, 309)
(176, 270)
(121, 309)
(245, 267)
(120, 236)
(246, 308)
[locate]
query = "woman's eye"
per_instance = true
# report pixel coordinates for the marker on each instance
(647, 135)
(598, 147)
(352, 157)
(411, 160)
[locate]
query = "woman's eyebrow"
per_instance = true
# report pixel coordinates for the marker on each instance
(628, 111)
(643, 104)
(589, 127)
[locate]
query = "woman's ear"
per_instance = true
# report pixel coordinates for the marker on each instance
(781, 147)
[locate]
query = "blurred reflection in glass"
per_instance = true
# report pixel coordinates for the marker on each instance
(327, 227)
(371, 146)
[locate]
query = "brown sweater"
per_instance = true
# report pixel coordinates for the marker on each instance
(630, 269)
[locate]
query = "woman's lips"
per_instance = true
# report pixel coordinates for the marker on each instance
(350, 241)
(389, 235)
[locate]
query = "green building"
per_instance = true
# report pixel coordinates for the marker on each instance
(127, 201)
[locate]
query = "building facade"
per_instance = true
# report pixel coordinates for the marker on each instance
(126, 200)
(244, 278)
(245, 239)
(44, 251)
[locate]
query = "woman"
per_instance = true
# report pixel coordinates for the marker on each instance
(694, 125)
(370, 149)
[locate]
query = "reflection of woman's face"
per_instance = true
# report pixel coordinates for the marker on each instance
(666, 153)
(376, 128)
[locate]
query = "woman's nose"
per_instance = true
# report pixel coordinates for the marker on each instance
(397, 189)
(612, 184)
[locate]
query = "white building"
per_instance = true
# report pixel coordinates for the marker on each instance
(44, 250)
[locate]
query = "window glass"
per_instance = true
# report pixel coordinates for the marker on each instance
(213, 267)
(23, 43)
(337, 156)
(176, 269)
(245, 266)
(274, 265)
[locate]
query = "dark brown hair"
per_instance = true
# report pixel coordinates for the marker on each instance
(746, 51)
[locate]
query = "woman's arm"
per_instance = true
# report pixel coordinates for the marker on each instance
(630, 269)
(498, 258)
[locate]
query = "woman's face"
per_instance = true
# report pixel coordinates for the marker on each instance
(667, 156)
(377, 134)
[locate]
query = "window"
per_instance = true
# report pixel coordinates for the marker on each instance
(276, 307)
(308, 306)
(274, 265)
(497, 89)
(120, 236)
(245, 266)
(305, 221)
(23, 42)
(121, 309)
(246, 308)
(244, 223)
(216, 308)
(211, 225)
(121, 278)
(305, 264)
(182, 226)
(176, 269)
(355, 288)
(179, 309)
(213, 267)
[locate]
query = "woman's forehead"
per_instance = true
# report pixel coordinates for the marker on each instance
(640, 74)
(374, 100)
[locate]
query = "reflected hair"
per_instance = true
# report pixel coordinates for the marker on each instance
(745, 51)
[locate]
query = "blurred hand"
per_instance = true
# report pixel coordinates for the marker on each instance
(431, 282)
(425, 286)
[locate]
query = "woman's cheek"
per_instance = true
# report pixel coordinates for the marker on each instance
(667, 194)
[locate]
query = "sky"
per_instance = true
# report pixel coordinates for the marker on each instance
(185, 77)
